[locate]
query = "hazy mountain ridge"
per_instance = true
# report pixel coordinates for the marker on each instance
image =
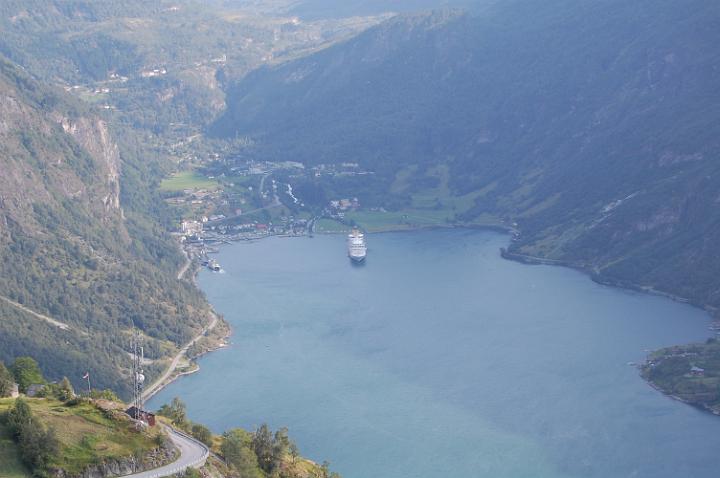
(592, 125)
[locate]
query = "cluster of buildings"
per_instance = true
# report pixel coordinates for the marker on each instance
(678, 352)
(343, 169)
(254, 168)
(196, 197)
(249, 168)
(697, 371)
(191, 228)
(117, 77)
(345, 204)
(152, 73)
(337, 208)
(199, 233)
(32, 390)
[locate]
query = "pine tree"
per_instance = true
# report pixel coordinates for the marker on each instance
(18, 417)
(237, 449)
(65, 390)
(263, 446)
(6, 381)
(202, 433)
(38, 445)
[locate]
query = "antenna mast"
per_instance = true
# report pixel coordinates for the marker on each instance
(137, 373)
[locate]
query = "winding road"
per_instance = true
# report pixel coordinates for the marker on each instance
(56, 323)
(163, 379)
(193, 454)
(167, 375)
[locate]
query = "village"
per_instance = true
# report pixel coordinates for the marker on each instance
(229, 200)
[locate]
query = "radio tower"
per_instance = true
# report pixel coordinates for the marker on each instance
(137, 374)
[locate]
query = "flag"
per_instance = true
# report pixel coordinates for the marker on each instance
(87, 375)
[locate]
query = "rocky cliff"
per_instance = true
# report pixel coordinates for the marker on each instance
(52, 152)
(69, 250)
(120, 467)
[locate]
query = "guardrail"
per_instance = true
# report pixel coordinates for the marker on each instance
(179, 468)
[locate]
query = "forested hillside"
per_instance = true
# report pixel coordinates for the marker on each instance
(70, 251)
(592, 125)
(93, 96)
(160, 64)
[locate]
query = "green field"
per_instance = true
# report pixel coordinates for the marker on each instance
(669, 369)
(242, 180)
(373, 221)
(187, 180)
(407, 219)
(330, 226)
(87, 435)
(441, 196)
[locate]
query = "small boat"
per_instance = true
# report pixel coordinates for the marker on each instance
(214, 266)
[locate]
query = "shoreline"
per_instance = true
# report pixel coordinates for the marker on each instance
(609, 282)
(594, 275)
(171, 373)
(598, 278)
(702, 408)
(173, 377)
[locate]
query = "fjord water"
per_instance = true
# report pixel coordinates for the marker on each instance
(440, 359)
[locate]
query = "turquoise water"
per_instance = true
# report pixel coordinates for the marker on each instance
(440, 359)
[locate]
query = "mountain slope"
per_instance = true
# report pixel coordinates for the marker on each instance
(159, 64)
(69, 251)
(83, 231)
(593, 125)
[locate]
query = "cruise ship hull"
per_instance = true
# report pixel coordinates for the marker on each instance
(357, 259)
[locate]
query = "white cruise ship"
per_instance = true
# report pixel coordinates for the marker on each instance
(357, 250)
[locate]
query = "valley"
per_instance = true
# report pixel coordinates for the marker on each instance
(130, 96)
(139, 139)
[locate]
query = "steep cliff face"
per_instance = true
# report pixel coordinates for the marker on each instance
(93, 135)
(55, 154)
